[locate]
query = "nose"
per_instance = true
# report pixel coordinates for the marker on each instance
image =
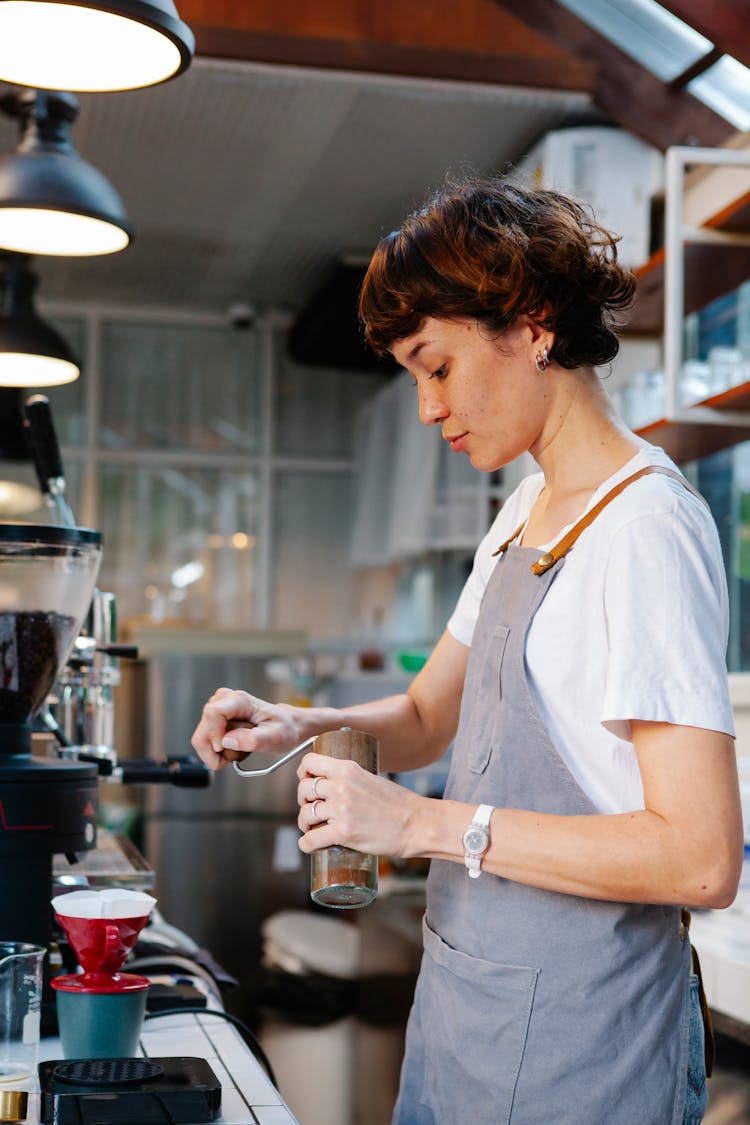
(432, 408)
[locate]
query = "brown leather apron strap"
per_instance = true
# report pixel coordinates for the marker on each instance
(551, 557)
(504, 546)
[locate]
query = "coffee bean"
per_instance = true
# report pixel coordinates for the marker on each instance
(32, 645)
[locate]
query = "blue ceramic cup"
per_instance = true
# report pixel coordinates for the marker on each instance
(100, 1024)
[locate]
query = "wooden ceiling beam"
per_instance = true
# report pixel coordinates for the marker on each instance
(724, 22)
(472, 41)
(395, 59)
(625, 91)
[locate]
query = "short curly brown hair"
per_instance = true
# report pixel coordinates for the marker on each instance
(489, 250)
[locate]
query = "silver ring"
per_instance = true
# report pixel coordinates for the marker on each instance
(318, 819)
(315, 794)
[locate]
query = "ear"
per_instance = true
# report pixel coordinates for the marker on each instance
(540, 336)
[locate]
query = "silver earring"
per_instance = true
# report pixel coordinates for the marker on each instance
(541, 361)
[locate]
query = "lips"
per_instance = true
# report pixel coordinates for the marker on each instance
(457, 442)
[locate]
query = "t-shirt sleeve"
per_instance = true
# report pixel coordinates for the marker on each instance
(667, 616)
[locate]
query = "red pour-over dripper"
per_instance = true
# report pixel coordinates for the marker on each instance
(102, 942)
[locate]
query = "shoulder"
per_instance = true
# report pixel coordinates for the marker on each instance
(655, 503)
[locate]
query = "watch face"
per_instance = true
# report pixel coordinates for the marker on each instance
(476, 840)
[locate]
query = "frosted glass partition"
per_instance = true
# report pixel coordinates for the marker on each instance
(173, 386)
(315, 408)
(313, 583)
(180, 542)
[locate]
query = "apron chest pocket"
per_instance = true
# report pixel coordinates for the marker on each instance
(477, 1015)
(485, 688)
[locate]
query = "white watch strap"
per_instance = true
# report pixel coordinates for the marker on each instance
(482, 815)
(481, 819)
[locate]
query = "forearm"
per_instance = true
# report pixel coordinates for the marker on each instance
(405, 737)
(630, 857)
(412, 729)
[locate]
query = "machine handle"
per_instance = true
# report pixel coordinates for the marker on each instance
(127, 652)
(45, 453)
(83, 658)
(43, 440)
(185, 773)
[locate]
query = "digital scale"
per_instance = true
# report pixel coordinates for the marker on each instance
(153, 1091)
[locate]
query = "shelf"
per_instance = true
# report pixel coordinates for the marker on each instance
(686, 441)
(711, 270)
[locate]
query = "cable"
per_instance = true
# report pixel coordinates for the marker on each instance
(252, 1042)
(173, 961)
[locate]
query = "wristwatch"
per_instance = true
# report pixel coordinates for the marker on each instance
(476, 840)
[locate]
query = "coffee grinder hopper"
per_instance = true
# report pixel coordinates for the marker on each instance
(47, 578)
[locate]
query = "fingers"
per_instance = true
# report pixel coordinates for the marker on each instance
(311, 799)
(325, 799)
(320, 765)
(212, 739)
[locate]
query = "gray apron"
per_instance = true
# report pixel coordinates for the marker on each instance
(535, 1007)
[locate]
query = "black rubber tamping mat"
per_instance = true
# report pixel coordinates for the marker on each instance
(164, 1091)
(107, 1072)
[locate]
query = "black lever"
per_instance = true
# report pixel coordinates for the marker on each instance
(126, 652)
(45, 449)
(78, 660)
(185, 773)
(45, 453)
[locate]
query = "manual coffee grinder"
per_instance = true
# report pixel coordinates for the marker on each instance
(47, 806)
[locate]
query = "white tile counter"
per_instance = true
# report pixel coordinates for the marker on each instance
(247, 1095)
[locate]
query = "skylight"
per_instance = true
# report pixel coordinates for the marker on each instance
(647, 32)
(725, 87)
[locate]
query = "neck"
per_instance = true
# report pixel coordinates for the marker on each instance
(583, 440)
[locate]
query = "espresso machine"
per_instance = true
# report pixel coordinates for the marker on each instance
(47, 805)
(58, 653)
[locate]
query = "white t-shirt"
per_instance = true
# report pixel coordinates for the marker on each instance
(633, 626)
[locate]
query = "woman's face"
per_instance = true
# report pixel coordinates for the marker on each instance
(485, 394)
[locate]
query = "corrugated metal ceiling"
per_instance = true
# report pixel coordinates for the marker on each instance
(245, 182)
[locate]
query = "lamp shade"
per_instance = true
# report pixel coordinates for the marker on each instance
(19, 494)
(51, 200)
(13, 443)
(83, 45)
(32, 353)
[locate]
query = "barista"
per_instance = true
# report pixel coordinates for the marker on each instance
(593, 788)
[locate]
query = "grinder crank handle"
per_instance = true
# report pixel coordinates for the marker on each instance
(274, 765)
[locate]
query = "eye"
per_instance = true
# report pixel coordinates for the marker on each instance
(440, 372)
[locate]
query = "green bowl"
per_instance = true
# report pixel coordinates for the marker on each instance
(412, 661)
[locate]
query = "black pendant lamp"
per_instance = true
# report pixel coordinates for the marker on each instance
(85, 45)
(32, 353)
(18, 497)
(51, 200)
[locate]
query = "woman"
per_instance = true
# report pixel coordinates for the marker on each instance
(593, 788)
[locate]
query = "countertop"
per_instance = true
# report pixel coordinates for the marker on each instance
(248, 1097)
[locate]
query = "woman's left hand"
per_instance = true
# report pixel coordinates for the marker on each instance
(342, 803)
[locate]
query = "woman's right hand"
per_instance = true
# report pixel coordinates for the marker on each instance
(235, 723)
